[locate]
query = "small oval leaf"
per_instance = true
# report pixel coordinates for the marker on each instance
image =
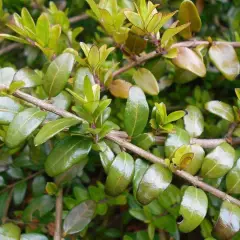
(50, 129)
(155, 180)
(219, 161)
(136, 112)
(120, 174)
(233, 179)
(9, 231)
(33, 236)
(79, 217)
(6, 76)
(57, 74)
(193, 209)
(23, 124)
(66, 153)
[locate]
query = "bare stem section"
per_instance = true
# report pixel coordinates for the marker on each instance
(58, 220)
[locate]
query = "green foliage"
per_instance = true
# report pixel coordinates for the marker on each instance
(78, 112)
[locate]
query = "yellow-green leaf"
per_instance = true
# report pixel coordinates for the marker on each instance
(188, 13)
(146, 81)
(189, 60)
(225, 59)
(43, 30)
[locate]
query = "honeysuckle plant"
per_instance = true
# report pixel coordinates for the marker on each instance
(128, 131)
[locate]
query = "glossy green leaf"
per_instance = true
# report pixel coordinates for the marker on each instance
(193, 121)
(136, 112)
(171, 32)
(120, 174)
(144, 140)
(79, 217)
(50, 129)
(6, 76)
(228, 223)
(8, 109)
(233, 180)
(66, 153)
(41, 205)
(193, 209)
(10, 231)
(38, 186)
(188, 13)
(43, 29)
(170, 199)
(33, 236)
(220, 109)
(219, 161)
(174, 116)
(197, 160)
(23, 125)
(155, 180)
(146, 81)
(57, 74)
(189, 60)
(19, 192)
(176, 140)
(224, 57)
(28, 76)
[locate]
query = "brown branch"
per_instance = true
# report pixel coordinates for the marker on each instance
(23, 180)
(8, 202)
(78, 18)
(151, 55)
(152, 158)
(58, 220)
(10, 47)
(192, 179)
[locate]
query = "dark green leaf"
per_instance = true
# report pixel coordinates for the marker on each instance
(120, 174)
(57, 74)
(79, 217)
(136, 112)
(23, 124)
(233, 179)
(38, 186)
(19, 192)
(66, 153)
(155, 180)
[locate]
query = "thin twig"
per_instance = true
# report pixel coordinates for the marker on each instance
(8, 202)
(58, 220)
(10, 47)
(151, 55)
(192, 179)
(23, 180)
(78, 18)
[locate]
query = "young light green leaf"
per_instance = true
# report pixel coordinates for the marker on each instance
(165, 18)
(27, 20)
(188, 13)
(146, 81)
(233, 180)
(155, 180)
(193, 209)
(189, 60)
(228, 223)
(8, 109)
(50, 129)
(220, 109)
(43, 30)
(219, 161)
(57, 74)
(33, 236)
(136, 112)
(28, 76)
(66, 153)
(197, 159)
(171, 32)
(79, 217)
(120, 174)
(193, 121)
(237, 91)
(94, 8)
(23, 124)
(176, 140)
(135, 19)
(6, 76)
(224, 57)
(9, 231)
(13, 38)
(42, 205)
(55, 33)
(174, 116)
